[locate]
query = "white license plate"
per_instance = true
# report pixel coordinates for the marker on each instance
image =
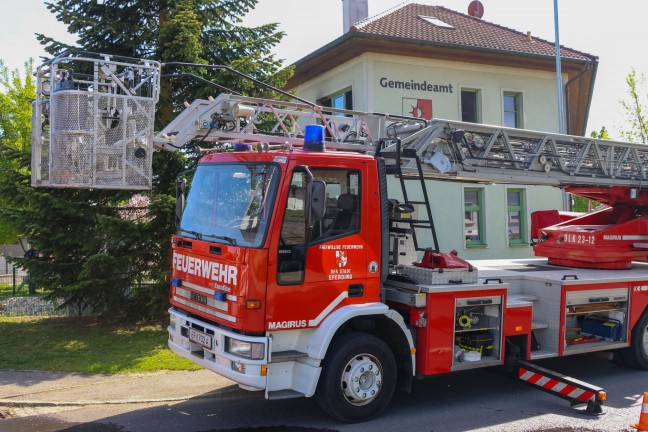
(200, 338)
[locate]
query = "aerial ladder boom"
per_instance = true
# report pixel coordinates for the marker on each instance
(451, 149)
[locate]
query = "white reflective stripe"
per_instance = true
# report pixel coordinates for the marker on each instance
(204, 309)
(206, 290)
(558, 387)
(542, 381)
(635, 237)
(197, 288)
(210, 301)
(576, 393)
(328, 309)
(644, 408)
(526, 376)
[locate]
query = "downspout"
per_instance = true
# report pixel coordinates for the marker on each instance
(567, 202)
(570, 82)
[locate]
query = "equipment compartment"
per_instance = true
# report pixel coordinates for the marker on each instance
(596, 318)
(477, 331)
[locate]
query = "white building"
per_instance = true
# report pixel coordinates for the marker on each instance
(429, 61)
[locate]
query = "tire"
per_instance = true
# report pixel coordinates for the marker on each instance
(636, 355)
(366, 360)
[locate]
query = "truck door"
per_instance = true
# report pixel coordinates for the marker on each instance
(316, 277)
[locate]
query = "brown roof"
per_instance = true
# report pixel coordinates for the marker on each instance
(401, 31)
(404, 21)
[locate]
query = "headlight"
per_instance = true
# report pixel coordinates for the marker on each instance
(251, 350)
(172, 321)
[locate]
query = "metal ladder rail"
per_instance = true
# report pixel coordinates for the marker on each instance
(473, 152)
(233, 118)
(488, 153)
(415, 224)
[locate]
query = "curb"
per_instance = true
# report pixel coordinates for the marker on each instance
(213, 394)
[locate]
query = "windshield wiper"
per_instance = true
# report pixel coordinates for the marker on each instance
(193, 233)
(229, 240)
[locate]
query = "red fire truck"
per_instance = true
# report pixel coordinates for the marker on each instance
(288, 271)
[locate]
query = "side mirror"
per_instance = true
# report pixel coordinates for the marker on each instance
(316, 196)
(181, 187)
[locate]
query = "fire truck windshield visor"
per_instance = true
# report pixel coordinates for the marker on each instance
(231, 203)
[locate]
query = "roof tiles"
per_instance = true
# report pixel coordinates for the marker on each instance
(404, 21)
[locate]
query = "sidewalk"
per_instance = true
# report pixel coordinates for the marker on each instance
(38, 388)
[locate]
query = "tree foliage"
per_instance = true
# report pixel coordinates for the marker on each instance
(110, 249)
(635, 109)
(15, 136)
(580, 204)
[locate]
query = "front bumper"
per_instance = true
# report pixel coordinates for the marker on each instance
(249, 374)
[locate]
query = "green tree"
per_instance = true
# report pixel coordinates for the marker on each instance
(190, 31)
(580, 204)
(15, 135)
(110, 249)
(635, 109)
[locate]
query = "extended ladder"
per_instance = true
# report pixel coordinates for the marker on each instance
(448, 149)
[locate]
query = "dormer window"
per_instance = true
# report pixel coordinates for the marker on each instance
(437, 22)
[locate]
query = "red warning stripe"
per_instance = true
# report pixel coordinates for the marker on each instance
(555, 386)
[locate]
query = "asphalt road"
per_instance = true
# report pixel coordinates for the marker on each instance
(478, 400)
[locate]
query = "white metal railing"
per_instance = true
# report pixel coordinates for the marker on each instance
(92, 122)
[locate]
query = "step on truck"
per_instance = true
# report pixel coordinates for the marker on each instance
(306, 260)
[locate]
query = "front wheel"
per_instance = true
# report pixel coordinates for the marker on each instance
(637, 354)
(358, 378)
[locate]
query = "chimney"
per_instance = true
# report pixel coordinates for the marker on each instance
(353, 11)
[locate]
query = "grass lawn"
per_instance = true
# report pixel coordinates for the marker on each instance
(85, 345)
(7, 290)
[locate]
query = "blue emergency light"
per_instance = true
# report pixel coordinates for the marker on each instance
(241, 147)
(314, 138)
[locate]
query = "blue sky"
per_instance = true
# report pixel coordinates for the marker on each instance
(616, 32)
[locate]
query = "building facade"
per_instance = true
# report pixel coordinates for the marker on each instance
(431, 62)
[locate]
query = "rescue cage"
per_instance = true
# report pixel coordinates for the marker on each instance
(92, 122)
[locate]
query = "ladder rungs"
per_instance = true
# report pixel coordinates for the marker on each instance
(392, 170)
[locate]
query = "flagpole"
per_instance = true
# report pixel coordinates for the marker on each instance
(559, 86)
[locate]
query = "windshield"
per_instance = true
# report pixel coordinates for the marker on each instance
(231, 203)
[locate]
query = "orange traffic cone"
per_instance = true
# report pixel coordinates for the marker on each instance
(643, 417)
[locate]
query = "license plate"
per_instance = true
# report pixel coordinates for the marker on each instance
(200, 338)
(199, 298)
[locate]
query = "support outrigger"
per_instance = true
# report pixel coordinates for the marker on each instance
(575, 391)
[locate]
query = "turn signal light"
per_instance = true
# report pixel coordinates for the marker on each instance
(602, 395)
(253, 304)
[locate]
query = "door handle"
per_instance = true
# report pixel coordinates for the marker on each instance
(356, 290)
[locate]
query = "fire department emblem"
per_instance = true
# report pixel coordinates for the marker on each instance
(341, 258)
(373, 266)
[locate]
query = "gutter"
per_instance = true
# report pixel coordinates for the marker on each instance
(591, 92)
(370, 36)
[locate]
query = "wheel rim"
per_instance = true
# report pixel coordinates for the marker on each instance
(362, 379)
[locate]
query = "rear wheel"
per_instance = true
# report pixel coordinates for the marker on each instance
(358, 378)
(637, 354)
